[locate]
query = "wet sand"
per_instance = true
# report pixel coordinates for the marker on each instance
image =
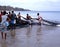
(33, 36)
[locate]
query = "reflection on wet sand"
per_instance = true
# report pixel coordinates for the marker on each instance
(38, 36)
(28, 35)
(33, 36)
(13, 33)
(29, 31)
(3, 43)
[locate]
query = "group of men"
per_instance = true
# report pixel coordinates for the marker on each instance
(6, 19)
(10, 19)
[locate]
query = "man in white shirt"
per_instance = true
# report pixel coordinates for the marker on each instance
(4, 24)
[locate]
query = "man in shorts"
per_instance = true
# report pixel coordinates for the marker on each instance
(3, 25)
(39, 18)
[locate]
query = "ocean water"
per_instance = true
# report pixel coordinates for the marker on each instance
(48, 15)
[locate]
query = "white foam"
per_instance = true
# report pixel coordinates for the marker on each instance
(58, 25)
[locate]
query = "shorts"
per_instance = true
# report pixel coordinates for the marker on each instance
(13, 21)
(3, 28)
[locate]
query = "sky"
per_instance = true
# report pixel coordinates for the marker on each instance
(38, 5)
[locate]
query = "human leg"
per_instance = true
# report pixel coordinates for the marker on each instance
(5, 34)
(2, 34)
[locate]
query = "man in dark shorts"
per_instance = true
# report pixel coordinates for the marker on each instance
(13, 20)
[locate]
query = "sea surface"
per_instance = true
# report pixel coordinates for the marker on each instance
(48, 15)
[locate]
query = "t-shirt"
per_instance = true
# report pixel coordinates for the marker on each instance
(13, 20)
(13, 16)
(4, 17)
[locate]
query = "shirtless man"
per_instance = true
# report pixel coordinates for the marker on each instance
(29, 19)
(39, 18)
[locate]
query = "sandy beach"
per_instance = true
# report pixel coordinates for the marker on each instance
(33, 36)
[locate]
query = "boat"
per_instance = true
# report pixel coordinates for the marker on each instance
(35, 22)
(24, 23)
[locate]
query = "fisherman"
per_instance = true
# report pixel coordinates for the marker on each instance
(1, 16)
(39, 18)
(19, 15)
(9, 20)
(13, 20)
(20, 21)
(29, 19)
(3, 25)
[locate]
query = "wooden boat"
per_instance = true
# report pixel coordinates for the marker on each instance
(45, 22)
(49, 22)
(35, 22)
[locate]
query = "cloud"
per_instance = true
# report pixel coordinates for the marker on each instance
(54, 0)
(33, 4)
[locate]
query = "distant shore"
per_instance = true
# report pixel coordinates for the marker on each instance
(9, 8)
